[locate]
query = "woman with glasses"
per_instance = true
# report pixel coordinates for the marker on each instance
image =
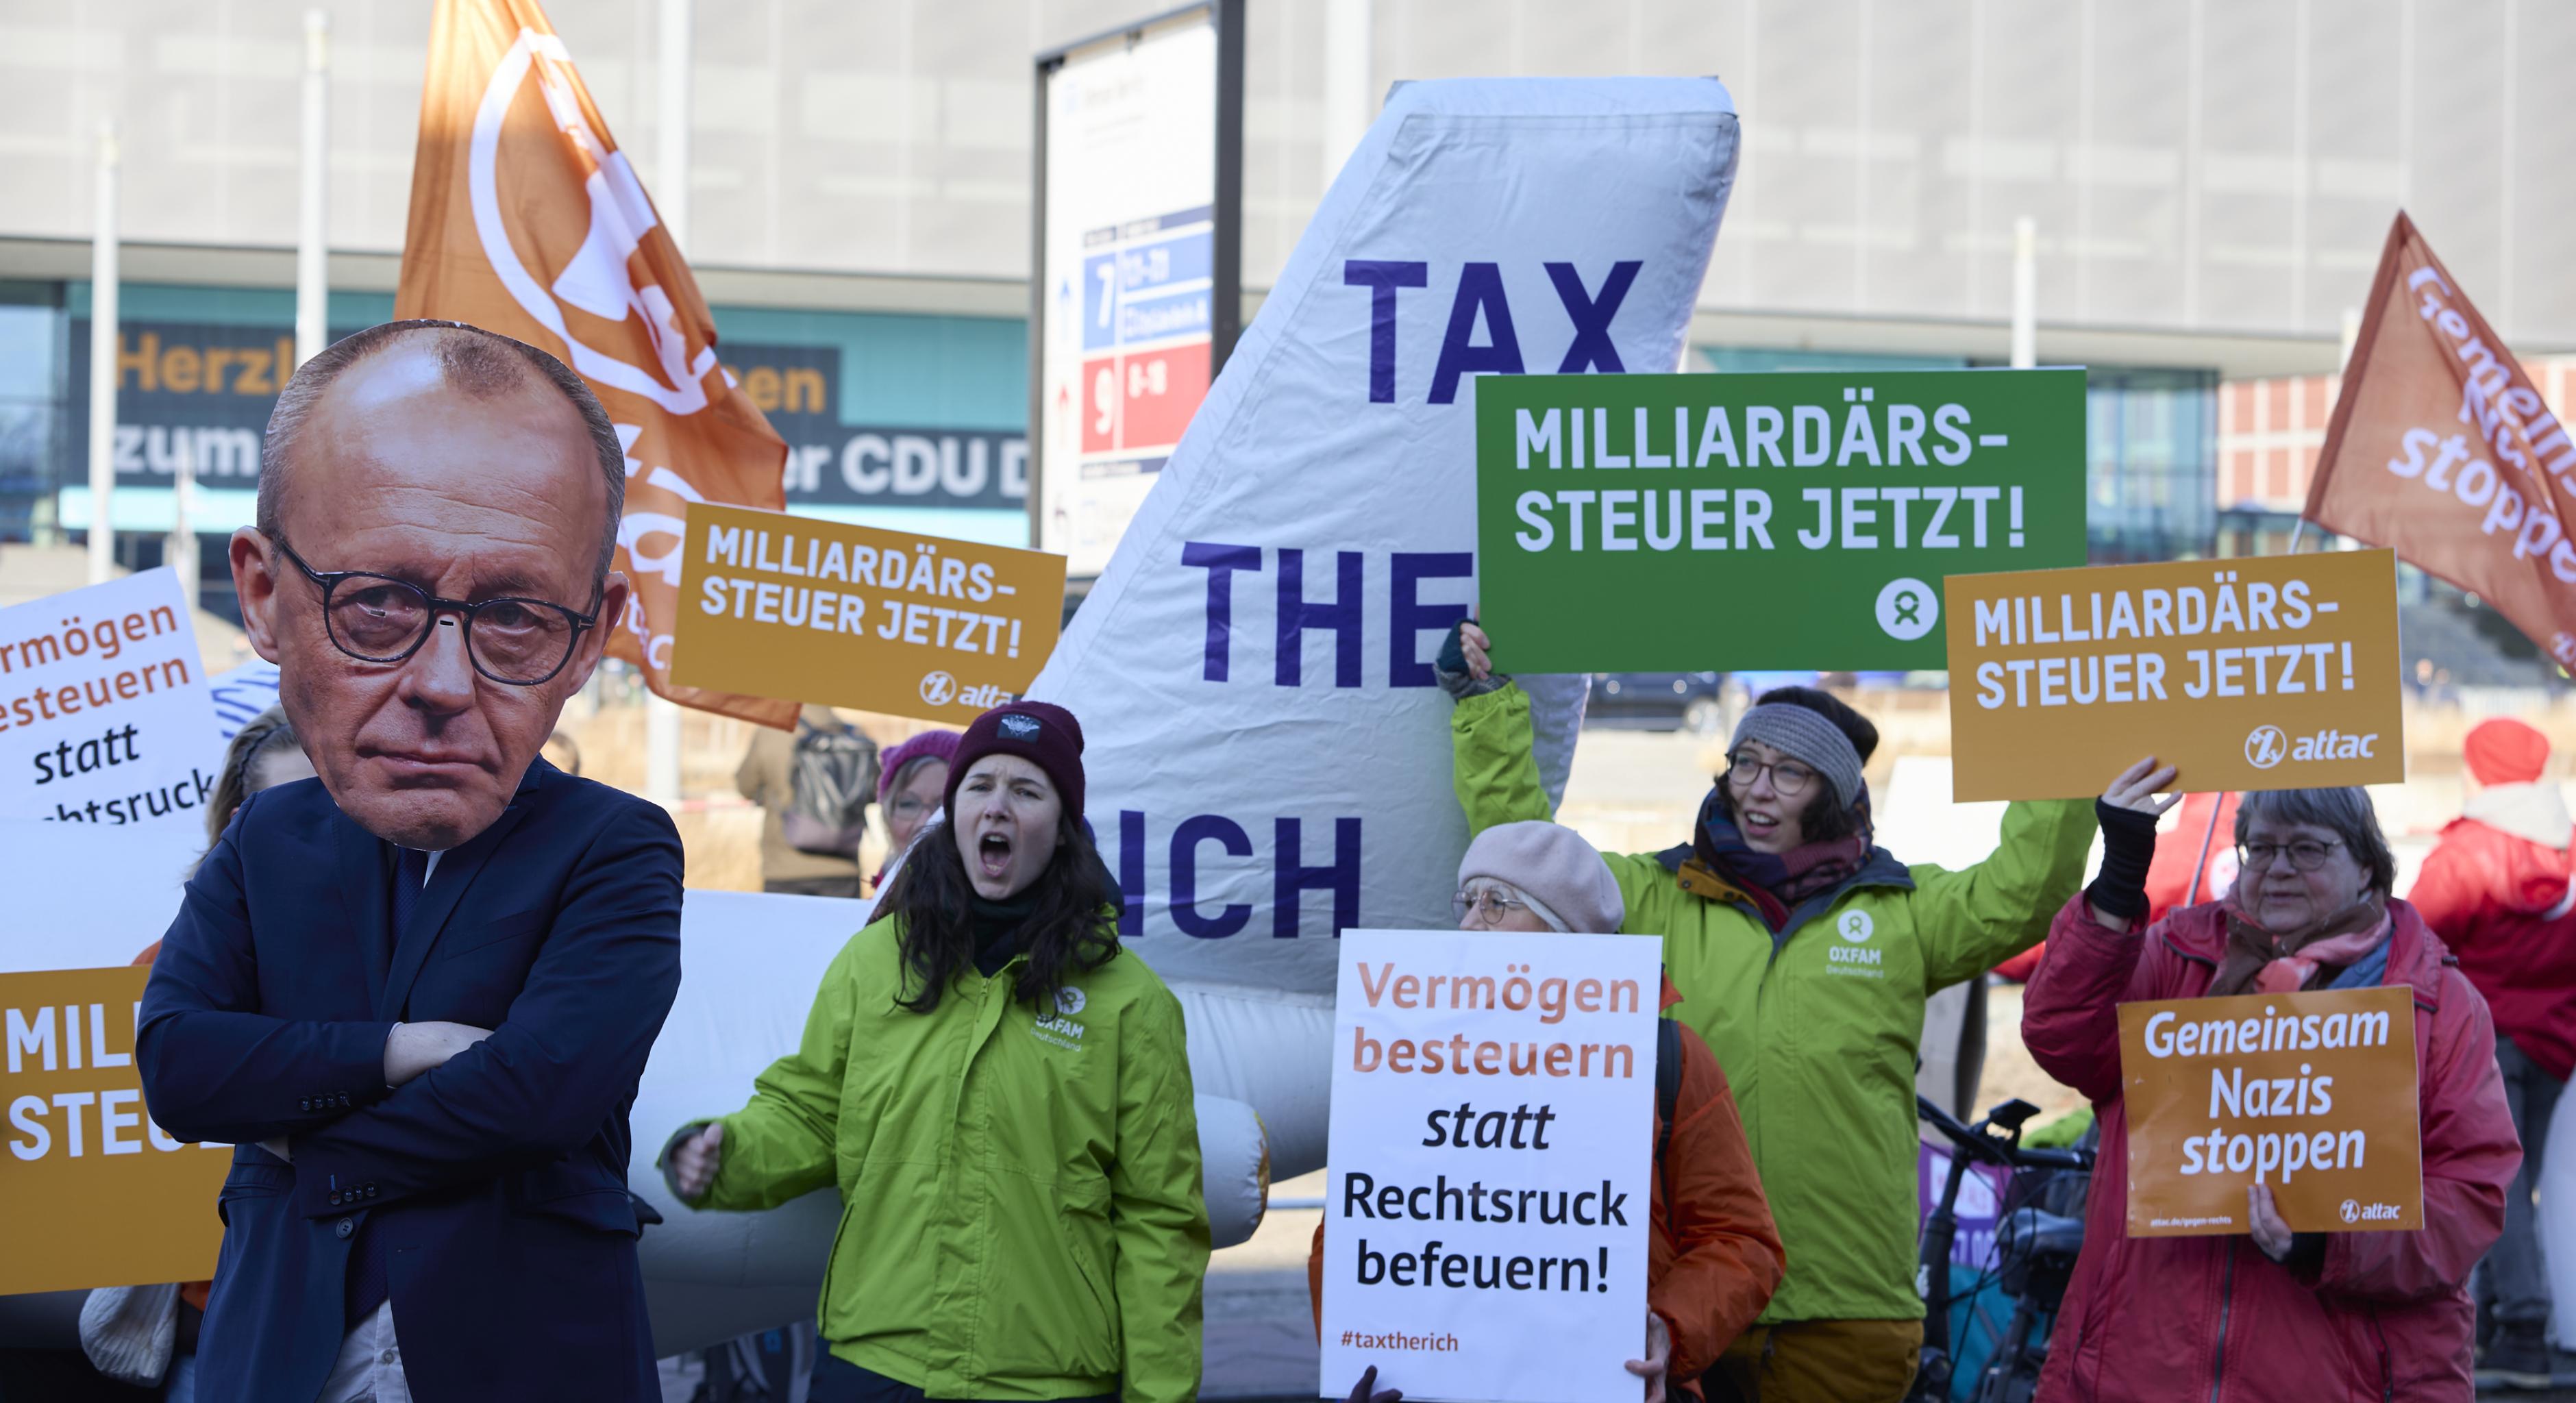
(908, 790)
(2277, 1314)
(1803, 954)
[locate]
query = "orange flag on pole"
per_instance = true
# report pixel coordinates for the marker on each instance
(2441, 448)
(527, 220)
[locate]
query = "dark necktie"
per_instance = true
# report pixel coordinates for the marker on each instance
(367, 1281)
(411, 872)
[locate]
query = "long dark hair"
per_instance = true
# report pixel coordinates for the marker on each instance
(1826, 819)
(1069, 933)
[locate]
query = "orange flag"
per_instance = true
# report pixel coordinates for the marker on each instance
(2441, 448)
(527, 220)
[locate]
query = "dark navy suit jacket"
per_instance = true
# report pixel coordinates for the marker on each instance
(498, 1181)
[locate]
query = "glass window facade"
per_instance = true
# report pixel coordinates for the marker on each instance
(2151, 464)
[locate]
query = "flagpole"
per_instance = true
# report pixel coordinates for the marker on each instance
(103, 344)
(2296, 532)
(312, 246)
(662, 715)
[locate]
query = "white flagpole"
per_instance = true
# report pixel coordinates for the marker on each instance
(2025, 303)
(312, 233)
(671, 198)
(103, 343)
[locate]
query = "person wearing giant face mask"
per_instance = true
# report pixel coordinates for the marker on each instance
(1803, 954)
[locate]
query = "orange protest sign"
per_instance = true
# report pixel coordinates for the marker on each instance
(2441, 447)
(818, 611)
(2275, 672)
(527, 220)
(2312, 1095)
(102, 1197)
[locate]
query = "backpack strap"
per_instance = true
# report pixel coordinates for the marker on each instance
(1668, 1082)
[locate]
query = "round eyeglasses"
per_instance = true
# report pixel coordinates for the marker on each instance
(2305, 855)
(1789, 778)
(379, 619)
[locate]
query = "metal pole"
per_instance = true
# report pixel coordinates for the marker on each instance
(312, 229)
(2296, 532)
(1348, 26)
(2192, 894)
(103, 344)
(181, 552)
(2025, 304)
(671, 199)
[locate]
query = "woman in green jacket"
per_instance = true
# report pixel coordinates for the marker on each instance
(1803, 954)
(1005, 1105)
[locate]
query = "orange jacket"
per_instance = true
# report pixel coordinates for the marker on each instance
(1713, 1261)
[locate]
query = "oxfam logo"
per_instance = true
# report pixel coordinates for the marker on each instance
(937, 688)
(1069, 1001)
(1855, 926)
(2266, 746)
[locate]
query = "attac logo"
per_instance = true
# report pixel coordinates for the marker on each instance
(941, 689)
(2267, 746)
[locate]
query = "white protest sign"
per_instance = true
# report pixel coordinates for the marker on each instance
(1486, 1209)
(1269, 751)
(108, 751)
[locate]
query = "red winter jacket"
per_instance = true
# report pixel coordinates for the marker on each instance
(2211, 1319)
(2502, 901)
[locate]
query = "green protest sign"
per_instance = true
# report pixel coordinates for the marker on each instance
(1688, 522)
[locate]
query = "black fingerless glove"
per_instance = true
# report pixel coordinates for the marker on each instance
(1451, 668)
(2128, 846)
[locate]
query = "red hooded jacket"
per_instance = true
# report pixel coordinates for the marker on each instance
(2497, 890)
(2384, 1315)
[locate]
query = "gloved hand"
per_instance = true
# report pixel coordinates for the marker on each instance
(2128, 811)
(1464, 667)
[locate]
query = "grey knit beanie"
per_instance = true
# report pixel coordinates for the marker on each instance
(1809, 738)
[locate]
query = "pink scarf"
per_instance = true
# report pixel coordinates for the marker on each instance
(2258, 961)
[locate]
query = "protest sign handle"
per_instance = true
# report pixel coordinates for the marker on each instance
(2296, 531)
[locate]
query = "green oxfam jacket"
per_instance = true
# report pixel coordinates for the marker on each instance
(1021, 1214)
(1818, 1030)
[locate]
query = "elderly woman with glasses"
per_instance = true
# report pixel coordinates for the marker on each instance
(1713, 1256)
(1804, 954)
(2273, 1314)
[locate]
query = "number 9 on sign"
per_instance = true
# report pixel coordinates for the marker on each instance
(1104, 399)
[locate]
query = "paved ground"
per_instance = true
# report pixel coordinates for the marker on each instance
(1260, 1327)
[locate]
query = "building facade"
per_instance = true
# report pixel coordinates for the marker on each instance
(2210, 186)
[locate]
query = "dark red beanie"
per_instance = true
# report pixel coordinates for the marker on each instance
(1046, 736)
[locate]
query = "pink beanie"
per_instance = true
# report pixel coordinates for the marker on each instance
(929, 745)
(1560, 874)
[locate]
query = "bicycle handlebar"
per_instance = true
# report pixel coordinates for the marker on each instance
(1981, 1146)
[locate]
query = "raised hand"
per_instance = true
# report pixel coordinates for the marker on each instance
(2137, 785)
